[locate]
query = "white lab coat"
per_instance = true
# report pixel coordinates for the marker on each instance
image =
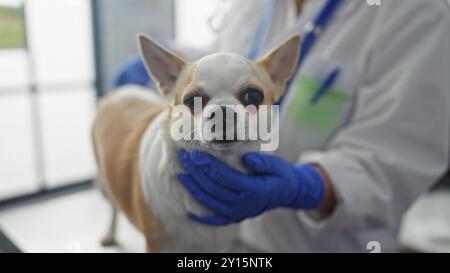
(391, 140)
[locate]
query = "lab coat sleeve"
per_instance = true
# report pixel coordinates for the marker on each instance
(397, 142)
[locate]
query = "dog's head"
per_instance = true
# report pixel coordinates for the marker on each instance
(215, 99)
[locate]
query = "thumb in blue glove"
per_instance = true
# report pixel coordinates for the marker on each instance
(235, 196)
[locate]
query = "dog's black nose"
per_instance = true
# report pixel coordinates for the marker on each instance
(229, 122)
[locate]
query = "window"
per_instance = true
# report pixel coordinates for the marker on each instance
(47, 97)
(13, 69)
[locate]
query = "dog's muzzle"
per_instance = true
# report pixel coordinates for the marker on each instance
(228, 130)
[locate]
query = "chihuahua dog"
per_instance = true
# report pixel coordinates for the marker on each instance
(136, 150)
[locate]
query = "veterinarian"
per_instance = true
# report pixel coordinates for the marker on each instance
(364, 126)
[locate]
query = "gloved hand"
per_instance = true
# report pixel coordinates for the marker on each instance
(235, 196)
(133, 71)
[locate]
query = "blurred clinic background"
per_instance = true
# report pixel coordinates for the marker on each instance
(56, 58)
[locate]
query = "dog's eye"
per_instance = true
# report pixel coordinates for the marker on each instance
(251, 96)
(189, 101)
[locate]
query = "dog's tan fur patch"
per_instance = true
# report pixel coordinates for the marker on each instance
(117, 132)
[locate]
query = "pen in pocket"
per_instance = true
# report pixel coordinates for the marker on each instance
(326, 84)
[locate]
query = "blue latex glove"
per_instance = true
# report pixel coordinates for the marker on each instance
(133, 71)
(235, 196)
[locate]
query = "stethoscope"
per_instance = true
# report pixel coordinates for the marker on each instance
(312, 32)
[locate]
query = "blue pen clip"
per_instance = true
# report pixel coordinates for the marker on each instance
(327, 83)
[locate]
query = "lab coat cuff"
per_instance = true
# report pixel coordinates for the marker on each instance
(318, 223)
(341, 215)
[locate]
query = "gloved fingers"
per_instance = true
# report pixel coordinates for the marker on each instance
(185, 161)
(265, 164)
(212, 187)
(214, 169)
(220, 172)
(202, 159)
(207, 183)
(201, 196)
(210, 220)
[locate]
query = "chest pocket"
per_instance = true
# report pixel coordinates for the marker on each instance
(322, 111)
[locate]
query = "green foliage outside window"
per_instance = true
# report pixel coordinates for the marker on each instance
(12, 29)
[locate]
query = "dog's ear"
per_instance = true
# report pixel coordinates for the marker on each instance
(164, 66)
(280, 63)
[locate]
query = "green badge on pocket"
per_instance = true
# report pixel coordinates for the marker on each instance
(321, 117)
